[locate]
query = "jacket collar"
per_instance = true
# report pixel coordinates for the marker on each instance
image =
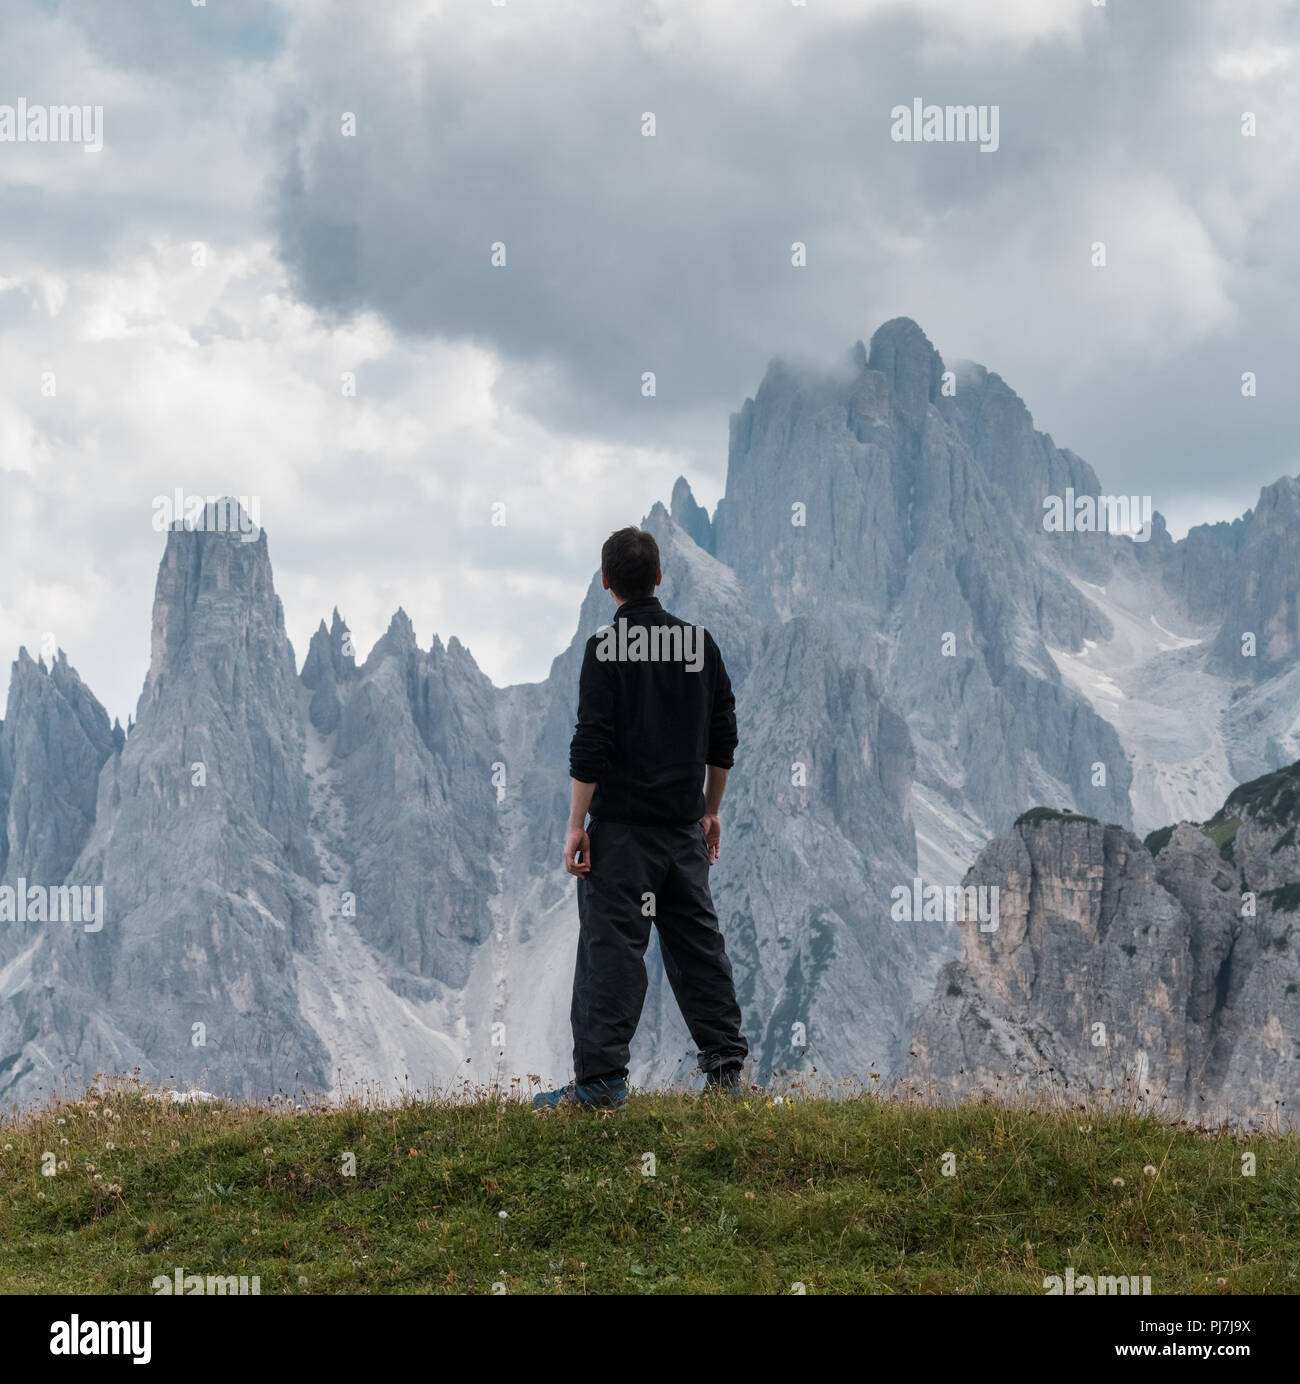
(642, 605)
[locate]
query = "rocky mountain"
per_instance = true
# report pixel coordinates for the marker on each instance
(53, 743)
(1163, 976)
(353, 873)
(858, 499)
(198, 837)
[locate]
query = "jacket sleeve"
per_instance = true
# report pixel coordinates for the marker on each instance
(722, 725)
(593, 736)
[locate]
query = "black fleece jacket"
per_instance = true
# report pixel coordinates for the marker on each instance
(647, 726)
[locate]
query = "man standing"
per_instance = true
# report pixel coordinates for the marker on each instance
(655, 738)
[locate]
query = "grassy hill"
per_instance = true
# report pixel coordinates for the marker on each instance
(841, 1196)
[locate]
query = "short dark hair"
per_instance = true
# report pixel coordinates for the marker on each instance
(630, 562)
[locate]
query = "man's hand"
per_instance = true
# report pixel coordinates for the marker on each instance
(712, 835)
(574, 843)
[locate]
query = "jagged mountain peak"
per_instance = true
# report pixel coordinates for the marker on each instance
(1279, 503)
(56, 737)
(1260, 632)
(330, 660)
(397, 641)
(693, 518)
(214, 594)
(903, 353)
(223, 514)
(33, 683)
(901, 335)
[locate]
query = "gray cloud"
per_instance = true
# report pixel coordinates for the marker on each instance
(672, 254)
(522, 123)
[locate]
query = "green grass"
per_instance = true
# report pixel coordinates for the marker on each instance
(1222, 831)
(842, 1196)
(1273, 798)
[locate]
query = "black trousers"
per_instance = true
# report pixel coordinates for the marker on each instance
(642, 875)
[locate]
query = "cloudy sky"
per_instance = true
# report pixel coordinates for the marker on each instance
(198, 289)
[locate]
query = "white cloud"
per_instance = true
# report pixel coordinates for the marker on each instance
(216, 381)
(1255, 64)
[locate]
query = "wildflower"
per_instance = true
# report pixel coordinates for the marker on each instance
(1149, 1170)
(110, 1145)
(267, 1152)
(501, 1215)
(1117, 1182)
(64, 1142)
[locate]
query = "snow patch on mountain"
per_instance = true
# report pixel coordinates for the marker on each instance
(1152, 685)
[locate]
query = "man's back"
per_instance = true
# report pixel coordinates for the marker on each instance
(649, 760)
(655, 706)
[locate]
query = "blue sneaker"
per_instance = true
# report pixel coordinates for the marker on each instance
(595, 1095)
